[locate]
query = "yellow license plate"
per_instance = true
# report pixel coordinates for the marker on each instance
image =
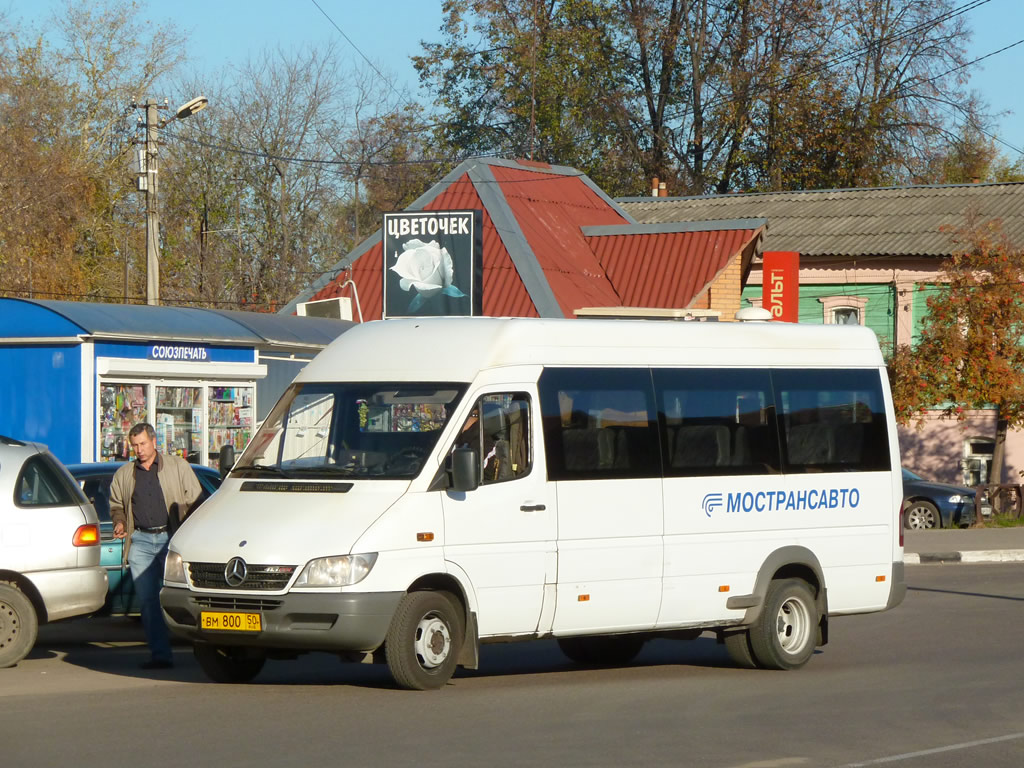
(233, 622)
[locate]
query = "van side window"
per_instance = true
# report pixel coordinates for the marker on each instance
(716, 421)
(39, 485)
(498, 429)
(599, 423)
(832, 420)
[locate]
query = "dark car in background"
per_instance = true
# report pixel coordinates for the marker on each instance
(938, 505)
(94, 479)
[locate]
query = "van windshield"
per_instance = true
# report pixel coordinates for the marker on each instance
(376, 430)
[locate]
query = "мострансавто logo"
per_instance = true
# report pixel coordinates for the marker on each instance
(781, 501)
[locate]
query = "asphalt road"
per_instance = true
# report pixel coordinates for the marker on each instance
(936, 683)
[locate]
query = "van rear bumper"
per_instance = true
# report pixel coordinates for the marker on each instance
(298, 621)
(898, 590)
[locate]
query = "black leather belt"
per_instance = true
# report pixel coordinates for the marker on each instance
(144, 529)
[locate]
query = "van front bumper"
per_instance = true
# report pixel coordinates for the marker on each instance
(301, 621)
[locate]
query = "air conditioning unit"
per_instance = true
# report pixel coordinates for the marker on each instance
(340, 308)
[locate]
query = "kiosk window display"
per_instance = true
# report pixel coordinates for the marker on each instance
(122, 406)
(192, 420)
(231, 420)
(179, 422)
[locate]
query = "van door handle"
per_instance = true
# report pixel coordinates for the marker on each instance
(532, 508)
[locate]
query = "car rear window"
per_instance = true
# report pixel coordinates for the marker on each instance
(42, 483)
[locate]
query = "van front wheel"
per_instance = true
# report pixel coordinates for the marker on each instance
(18, 625)
(785, 633)
(423, 641)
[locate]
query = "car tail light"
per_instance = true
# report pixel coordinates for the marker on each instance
(86, 536)
(899, 520)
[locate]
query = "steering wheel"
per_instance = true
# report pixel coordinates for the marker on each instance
(410, 453)
(407, 460)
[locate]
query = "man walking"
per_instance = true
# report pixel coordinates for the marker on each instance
(149, 498)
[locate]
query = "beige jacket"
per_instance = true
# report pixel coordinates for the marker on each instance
(181, 488)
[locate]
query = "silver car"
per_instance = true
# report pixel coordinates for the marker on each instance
(49, 547)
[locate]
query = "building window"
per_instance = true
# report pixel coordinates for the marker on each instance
(845, 316)
(843, 310)
(977, 463)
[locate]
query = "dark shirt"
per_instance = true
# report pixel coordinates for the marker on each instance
(148, 506)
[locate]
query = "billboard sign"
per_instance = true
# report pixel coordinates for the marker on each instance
(780, 285)
(433, 263)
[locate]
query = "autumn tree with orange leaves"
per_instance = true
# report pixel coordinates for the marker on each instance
(970, 354)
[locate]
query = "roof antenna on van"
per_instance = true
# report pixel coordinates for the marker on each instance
(753, 314)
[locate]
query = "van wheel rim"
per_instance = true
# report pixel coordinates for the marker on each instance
(793, 626)
(433, 641)
(8, 624)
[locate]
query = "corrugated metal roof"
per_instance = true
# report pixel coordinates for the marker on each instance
(134, 321)
(668, 269)
(551, 209)
(894, 221)
(538, 259)
(294, 331)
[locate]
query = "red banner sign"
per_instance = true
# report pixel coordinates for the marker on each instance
(780, 285)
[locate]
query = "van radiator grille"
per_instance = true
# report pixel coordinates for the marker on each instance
(229, 603)
(258, 578)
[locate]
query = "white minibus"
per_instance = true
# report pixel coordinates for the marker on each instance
(428, 485)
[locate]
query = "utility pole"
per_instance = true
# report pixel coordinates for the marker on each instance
(152, 211)
(153, 124)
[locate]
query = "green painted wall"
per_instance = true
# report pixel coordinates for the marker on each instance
(878, 313)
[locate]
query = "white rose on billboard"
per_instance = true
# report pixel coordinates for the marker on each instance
(427, 268)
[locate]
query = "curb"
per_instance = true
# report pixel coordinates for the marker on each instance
(970, 556)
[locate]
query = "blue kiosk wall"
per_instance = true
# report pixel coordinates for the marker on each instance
(41, 396)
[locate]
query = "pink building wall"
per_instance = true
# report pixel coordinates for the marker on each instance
(934, 447)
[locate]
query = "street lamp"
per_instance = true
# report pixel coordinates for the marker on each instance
(153, 124)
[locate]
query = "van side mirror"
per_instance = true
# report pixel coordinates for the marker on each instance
(465, 469)
(226, 459)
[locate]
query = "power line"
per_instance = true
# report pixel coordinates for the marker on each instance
(140, 300)
(356, 48)
(351, 163)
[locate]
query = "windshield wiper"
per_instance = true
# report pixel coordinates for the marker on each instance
(263, 468)
(327, 469)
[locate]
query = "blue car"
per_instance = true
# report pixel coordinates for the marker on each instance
(938, 505)
(94, 478)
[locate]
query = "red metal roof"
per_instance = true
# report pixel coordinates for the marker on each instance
(667, 269)
(630, 265)
(550, 210)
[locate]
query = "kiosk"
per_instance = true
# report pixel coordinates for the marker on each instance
(78, 375)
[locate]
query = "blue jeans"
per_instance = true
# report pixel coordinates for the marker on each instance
(146, 560)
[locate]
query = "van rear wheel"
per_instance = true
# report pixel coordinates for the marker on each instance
(18, 625)
(784, 635)
(602, 650)
(738, 646)
(228, 665)
(423, 641)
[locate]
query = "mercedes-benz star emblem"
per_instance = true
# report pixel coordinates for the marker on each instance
(235, 571)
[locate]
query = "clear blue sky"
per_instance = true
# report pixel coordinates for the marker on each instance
(388, 31)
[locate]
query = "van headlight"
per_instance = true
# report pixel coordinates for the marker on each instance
(337, 571)
(174, 569)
